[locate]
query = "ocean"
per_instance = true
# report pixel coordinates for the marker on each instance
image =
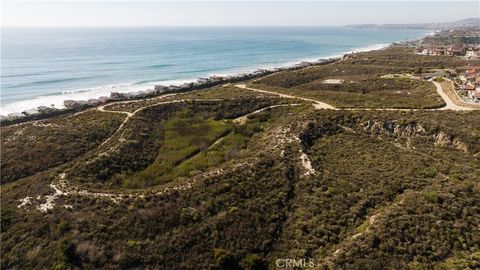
(45, 66)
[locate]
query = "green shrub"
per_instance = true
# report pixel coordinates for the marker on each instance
(253, 262)
(433, 197)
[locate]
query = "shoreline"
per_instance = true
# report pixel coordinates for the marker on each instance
(240, 74)
(95, 92)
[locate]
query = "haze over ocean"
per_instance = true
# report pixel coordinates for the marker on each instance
(44, 66)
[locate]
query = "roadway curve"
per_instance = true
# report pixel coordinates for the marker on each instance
(450, 104)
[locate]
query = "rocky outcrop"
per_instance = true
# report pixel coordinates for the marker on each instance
(413, 129)
(443, 139)
(394, 128)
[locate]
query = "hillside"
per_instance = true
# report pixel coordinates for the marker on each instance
(349, 165)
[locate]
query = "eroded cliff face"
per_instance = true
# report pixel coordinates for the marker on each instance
(443, 139)
(413, 129)
(394, 128)
(388, 128)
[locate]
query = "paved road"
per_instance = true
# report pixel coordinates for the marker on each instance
(450, 104)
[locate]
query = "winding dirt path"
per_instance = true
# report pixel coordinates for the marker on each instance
(317, 104)
(131, 114)
(242, 119)
(450, 104)
(62, 187)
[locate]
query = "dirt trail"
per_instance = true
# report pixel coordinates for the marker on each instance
(62, 187)
(450, 105)
(317, 104)
(131, 114)
(242, 119)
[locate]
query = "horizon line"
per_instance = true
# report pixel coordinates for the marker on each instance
(223, 26)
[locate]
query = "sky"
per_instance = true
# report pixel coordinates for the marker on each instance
(70, 13)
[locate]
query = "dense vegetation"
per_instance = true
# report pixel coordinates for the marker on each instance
(33, 147)
(158, 139)
(387, 193)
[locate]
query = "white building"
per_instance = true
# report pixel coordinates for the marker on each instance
(31, 112)
(203, 80)
(15, 115)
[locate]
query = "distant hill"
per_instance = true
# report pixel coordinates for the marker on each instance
(471, 23)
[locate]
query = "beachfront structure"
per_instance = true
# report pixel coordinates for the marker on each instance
(31, 112)
(160, 88)
(70, 104)
(44, 109)
(173, 88)
(136, 94)
(303, 64)
(216, 79)
(104, 99)
(94, 101)
(75, 104)
(117, 96)
(203, 80)
(15, 115)
(186, 85)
